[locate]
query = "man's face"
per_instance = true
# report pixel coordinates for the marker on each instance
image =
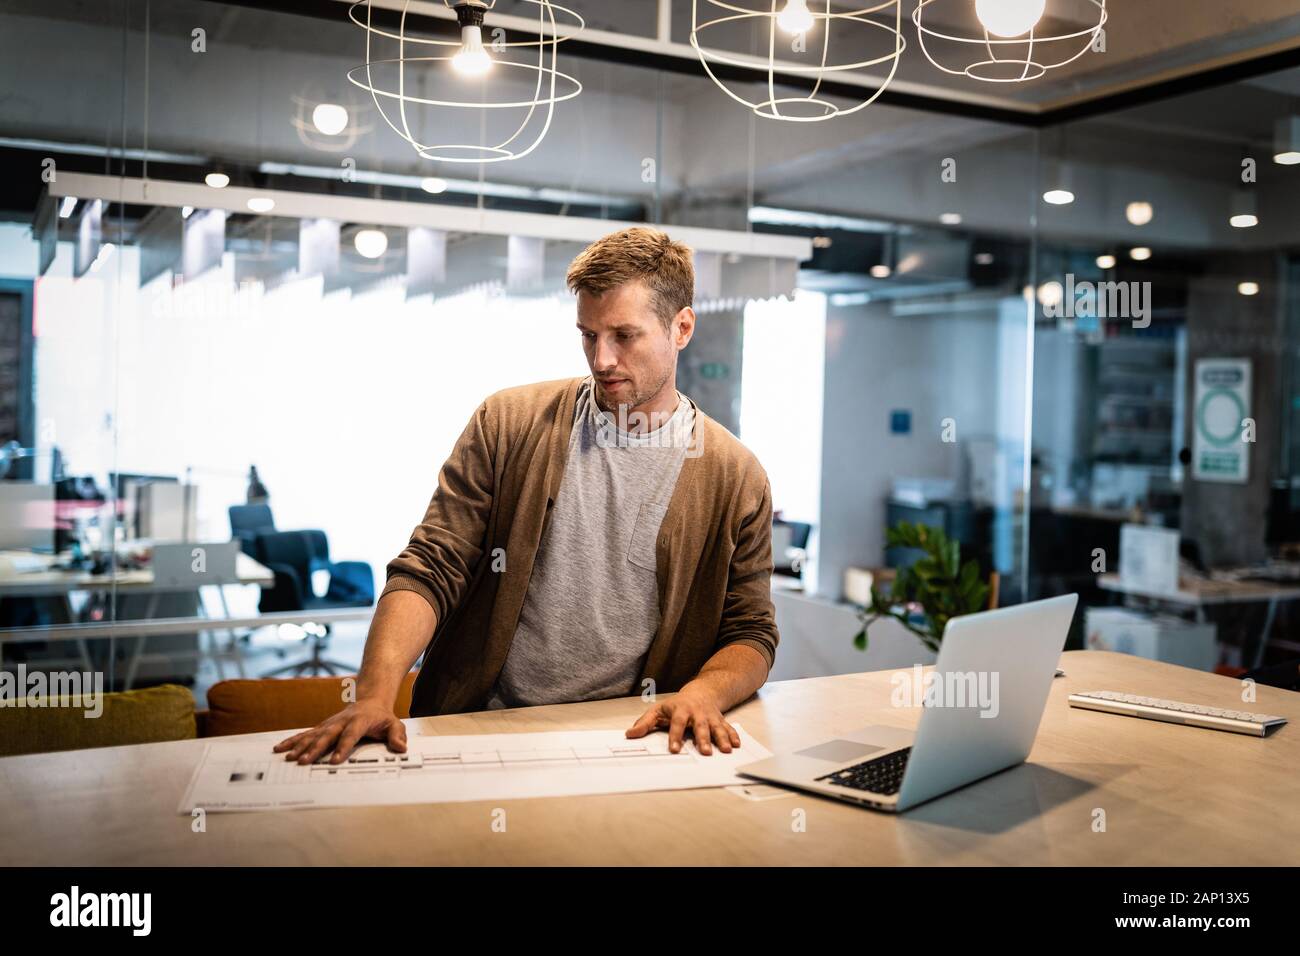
(632, 357)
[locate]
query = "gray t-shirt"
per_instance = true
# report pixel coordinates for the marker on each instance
(592, 607)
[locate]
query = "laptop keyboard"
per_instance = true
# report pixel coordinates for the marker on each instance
(879, 775)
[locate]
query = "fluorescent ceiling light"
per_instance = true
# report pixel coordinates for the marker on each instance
(68, 204)
(774, 216)
(217, 180)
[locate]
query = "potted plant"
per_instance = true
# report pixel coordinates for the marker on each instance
(932, 590)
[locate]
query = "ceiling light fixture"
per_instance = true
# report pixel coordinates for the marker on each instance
(951, 219)
(515, 123)
(330, 118)
(217, 180)
(1286, 141)
(371, 243)
(1106, 262)
(261, 203)
(1139, 213)
(1058, 197)
(1008, 48)
(881, 271)
(796, 17)
(68, 204)
(1009, 18)
(984, 258)
(877, 29)
(187, 211)
(1051, 294)
(1248, 288)
(1140, 254)
(1244, 213)
(434, 185)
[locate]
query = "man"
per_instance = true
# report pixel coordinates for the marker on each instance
(588, 538)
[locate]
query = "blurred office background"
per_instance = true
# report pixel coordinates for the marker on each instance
(881, 319)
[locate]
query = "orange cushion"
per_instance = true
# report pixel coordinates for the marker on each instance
(253, 706)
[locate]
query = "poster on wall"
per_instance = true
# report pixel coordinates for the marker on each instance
(1220, 451)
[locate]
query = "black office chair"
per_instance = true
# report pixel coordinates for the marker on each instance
(247, 522)
(292, 556)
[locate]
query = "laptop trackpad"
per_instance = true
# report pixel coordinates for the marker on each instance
(839, 751)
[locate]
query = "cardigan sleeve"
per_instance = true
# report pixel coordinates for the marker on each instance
(748, 616)
(445, 547)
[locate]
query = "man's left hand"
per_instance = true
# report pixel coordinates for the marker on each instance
(693, 707)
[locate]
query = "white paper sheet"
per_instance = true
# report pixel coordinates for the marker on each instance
(246, 775)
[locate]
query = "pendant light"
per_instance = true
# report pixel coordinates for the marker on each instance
(1009, 46)
(465, 74)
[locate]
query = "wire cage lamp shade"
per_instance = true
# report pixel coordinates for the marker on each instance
(877, 29)
(1005, 43)
(427, 82)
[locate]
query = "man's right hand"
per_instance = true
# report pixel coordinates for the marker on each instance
(342, 732)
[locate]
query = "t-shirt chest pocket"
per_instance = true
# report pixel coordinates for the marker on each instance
(645, 533)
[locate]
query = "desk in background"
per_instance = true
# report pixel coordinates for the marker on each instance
(1172, 796)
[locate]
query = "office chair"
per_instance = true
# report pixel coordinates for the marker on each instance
(247, 522)
(292, 556)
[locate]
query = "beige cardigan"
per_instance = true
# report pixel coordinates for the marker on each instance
(472, 555)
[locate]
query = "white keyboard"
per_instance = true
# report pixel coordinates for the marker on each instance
(1177, 712)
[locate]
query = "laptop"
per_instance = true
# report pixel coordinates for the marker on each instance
(981, 711)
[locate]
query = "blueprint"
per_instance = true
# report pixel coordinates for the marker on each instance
(241, 775)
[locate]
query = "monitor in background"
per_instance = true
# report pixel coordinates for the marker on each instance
(165, 511)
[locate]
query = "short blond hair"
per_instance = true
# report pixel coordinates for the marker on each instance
(665, 266)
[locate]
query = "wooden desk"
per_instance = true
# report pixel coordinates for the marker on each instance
(1172, 795)
(55, 582)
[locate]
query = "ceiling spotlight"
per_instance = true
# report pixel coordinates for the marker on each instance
(1243, 210)
(472, 59)
(1140, 254)
(261, 203)
(1106, 262)
(217, 180)
(432, 184)
(951, 219)
(1009, 18)
(1286, 141)
(1248, 288)
(1139, 213)
(187, 211)
(1244, 220)
(881, 271)
(1058, 197)
(1050, 294)
(65, 208)
(984, 258)
(371, 243)
(796, 17)
(330, 118)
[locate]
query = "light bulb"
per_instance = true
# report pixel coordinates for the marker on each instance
(1245, 220)
(1140, 254)
(1248, 288)
(1009, 18)
(472, 60)
(796, 17)
(1106, 262)
(1058, 197)
(217, 180)
(330, 118)
(1139, 213)
(371, 243)
(1051, 294)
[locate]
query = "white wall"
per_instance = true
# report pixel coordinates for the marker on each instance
(937, 366)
